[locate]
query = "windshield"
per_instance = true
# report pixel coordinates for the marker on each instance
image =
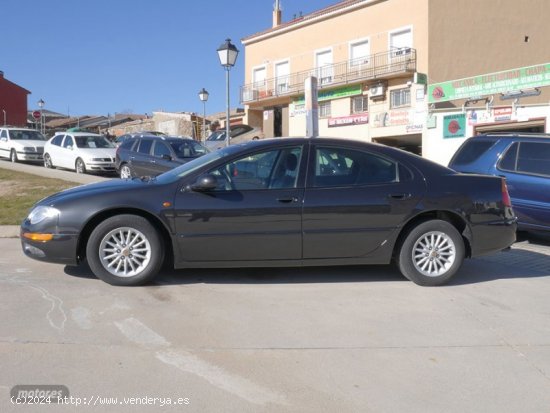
(197, 163)
(92, 142)
(188, 148)
(217, 136)
(27, 135)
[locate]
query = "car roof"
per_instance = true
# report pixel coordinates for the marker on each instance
(511, 136)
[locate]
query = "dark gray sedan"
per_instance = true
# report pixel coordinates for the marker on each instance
(278, 202)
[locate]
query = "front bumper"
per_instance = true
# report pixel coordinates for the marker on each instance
(100, 166)
(62, 249)
(30, 156)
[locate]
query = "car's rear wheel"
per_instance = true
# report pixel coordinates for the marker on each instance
(48, 161)
(13, 156)
(125, 250)
(80, 166)
(125, 171)
(431, 253)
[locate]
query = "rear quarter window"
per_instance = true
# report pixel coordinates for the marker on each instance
(471, 151)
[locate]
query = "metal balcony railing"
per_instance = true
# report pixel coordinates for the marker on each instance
(377, 66)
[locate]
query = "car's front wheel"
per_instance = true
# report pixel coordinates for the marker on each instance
(48, 161)
(80, 166)
(125, 250)
(125, 171)
(13, 156)
(431, 253)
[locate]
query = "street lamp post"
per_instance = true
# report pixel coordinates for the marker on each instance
(227, 53)
(41, 104)
(203, 96)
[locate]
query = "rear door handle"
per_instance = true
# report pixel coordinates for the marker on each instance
(287, 200)
(399, 196)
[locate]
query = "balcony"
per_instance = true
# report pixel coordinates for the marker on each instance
(384, 65)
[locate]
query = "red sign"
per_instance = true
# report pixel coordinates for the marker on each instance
(36, 114)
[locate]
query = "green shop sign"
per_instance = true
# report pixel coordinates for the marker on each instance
(339, 93)
(499, 82)
(454, 126)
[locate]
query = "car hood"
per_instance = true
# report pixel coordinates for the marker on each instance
(97, 152)
(35, 143)
(115, 185)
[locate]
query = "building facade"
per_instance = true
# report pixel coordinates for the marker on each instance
(376, 60)
(13, 103)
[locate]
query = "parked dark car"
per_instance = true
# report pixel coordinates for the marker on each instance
(278, 202)
(524, 160)
(118, 140)
(151, 155)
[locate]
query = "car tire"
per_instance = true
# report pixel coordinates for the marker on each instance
(115, 261)
(431, 253)
(125, 171)
(48, 161)
(80, 166)
(13, 156)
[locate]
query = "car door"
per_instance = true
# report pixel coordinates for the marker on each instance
(526, 167)
(4, 144)
(140, 158)
(354, 200)
(66, 158)
(53, 149)
(162, 159)
(253, 214)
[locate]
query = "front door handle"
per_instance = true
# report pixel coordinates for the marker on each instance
(287, 200)
(400, 196)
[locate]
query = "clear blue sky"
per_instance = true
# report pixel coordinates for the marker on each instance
(107, 56)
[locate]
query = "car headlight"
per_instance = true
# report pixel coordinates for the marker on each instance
(29, 149)
(42, 212)
(96, 159)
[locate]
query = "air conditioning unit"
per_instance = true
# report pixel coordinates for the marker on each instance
(249, 95)
(377, 91)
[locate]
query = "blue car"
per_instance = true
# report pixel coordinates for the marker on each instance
(524, 160)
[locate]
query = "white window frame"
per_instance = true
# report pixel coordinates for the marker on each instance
(325, 109)
(261, 84)
(325, 76)
(365, 99)
(352, 61)
(403, 103)
(282, 83)
(399, 52)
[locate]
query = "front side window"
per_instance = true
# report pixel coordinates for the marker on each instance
(187, 148)
(68, 142)
(161, 150)
(274, 169)
(400, 98)
(349, 167)
(145, 146)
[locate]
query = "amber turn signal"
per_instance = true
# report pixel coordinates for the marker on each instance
(38, 237)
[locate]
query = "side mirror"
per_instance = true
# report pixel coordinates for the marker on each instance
(166, 157)
(3, 139)
(205, 183)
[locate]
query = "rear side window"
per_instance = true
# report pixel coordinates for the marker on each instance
(471, 151)
(145, 146)
(508, 161)
(534, 158)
